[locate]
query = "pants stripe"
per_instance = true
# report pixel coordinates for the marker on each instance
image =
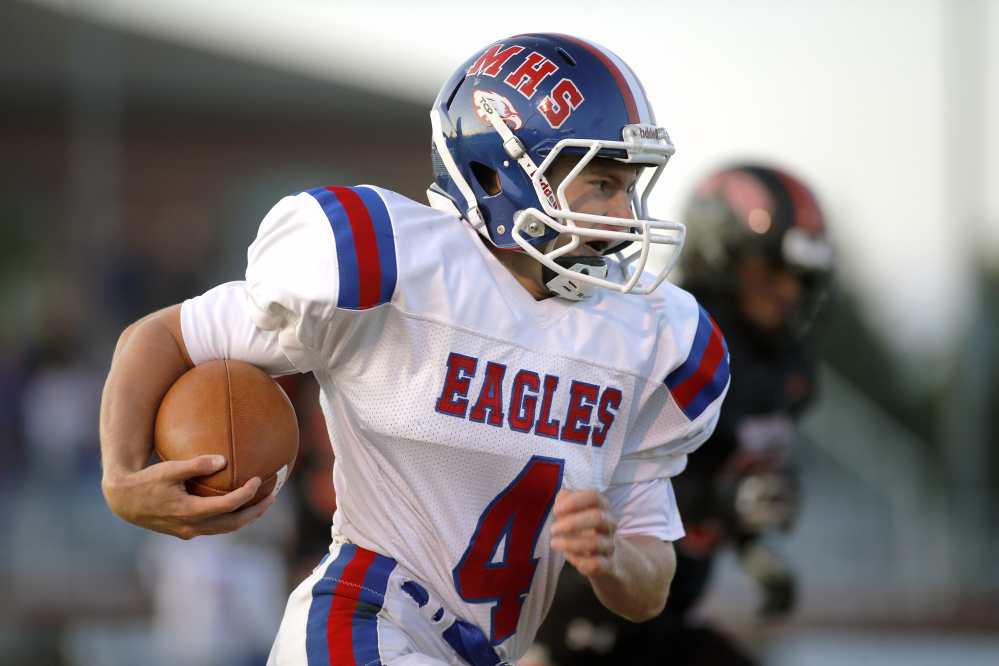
(342, 628)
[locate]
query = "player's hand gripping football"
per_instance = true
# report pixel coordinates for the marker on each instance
(584, 531)
(155, 498)
(149, 358)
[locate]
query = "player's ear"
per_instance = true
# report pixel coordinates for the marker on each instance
(488, 179)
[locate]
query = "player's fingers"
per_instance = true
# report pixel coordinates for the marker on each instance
(584, 544)
(569, 502)
(594, 519)
(194, 509)
(182, 470)
(246, 492)
(230, 522)
(232, 501)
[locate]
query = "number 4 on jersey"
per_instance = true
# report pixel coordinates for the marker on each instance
(499, 564)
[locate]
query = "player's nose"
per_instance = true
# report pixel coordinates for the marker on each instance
(620, 206)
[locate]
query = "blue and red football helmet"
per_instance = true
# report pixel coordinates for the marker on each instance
(504, 117)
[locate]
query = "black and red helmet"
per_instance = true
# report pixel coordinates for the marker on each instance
(757, 210)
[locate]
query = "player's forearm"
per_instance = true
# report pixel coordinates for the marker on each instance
(639, 583)
(147, 361)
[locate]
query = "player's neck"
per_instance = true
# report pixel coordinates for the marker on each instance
(524, 268)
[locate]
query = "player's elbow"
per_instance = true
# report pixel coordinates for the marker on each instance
(653, 607)
(642, 605)
(644, 616)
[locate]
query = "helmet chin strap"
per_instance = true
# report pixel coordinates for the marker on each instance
(563, 284)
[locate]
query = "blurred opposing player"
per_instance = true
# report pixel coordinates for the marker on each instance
(758, 258)
(503, 393)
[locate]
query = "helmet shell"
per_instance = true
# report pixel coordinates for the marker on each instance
(757, 210)
(753, 209)
(546, 87)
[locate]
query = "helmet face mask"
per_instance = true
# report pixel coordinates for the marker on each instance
(519, 106)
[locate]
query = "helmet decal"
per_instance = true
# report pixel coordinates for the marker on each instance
(491, 62)
(637, 102)
(526, 78)
(526, 74)
(565, 99)
(504, 107)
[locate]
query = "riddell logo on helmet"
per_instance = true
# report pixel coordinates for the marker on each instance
(525, 77)
(546, 188)
(503, 106)
(648, 132)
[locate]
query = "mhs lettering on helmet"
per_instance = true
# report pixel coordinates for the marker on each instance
(565, 96)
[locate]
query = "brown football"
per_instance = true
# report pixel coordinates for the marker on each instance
(236, 410)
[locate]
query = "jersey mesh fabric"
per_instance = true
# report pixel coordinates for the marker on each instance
(437, 473)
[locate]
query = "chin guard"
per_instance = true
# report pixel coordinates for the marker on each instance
(565, 286)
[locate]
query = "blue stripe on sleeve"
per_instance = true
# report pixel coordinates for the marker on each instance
(693, 361)
(346, 253)
(711, 390)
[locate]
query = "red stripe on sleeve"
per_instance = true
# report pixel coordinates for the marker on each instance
(369, 270)
(339, 625)
(685, 393)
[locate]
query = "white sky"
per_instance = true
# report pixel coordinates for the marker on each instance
(855, 96)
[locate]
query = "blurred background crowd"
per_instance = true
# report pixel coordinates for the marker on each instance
(141, 143)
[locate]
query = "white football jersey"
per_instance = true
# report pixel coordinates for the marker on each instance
(458, 405)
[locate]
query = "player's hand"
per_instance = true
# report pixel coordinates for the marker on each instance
(584, 531)
(155, 498)
(774, 577)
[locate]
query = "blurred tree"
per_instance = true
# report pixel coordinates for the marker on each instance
(855, 349)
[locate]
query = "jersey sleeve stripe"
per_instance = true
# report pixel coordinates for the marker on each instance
(381, 221)
(704, 375)
(365, 245)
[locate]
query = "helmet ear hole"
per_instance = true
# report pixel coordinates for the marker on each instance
(488, 179)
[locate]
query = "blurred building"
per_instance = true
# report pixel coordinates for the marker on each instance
(133, 174)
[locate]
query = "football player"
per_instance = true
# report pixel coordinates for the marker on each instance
(504, 389)
(758, 258)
